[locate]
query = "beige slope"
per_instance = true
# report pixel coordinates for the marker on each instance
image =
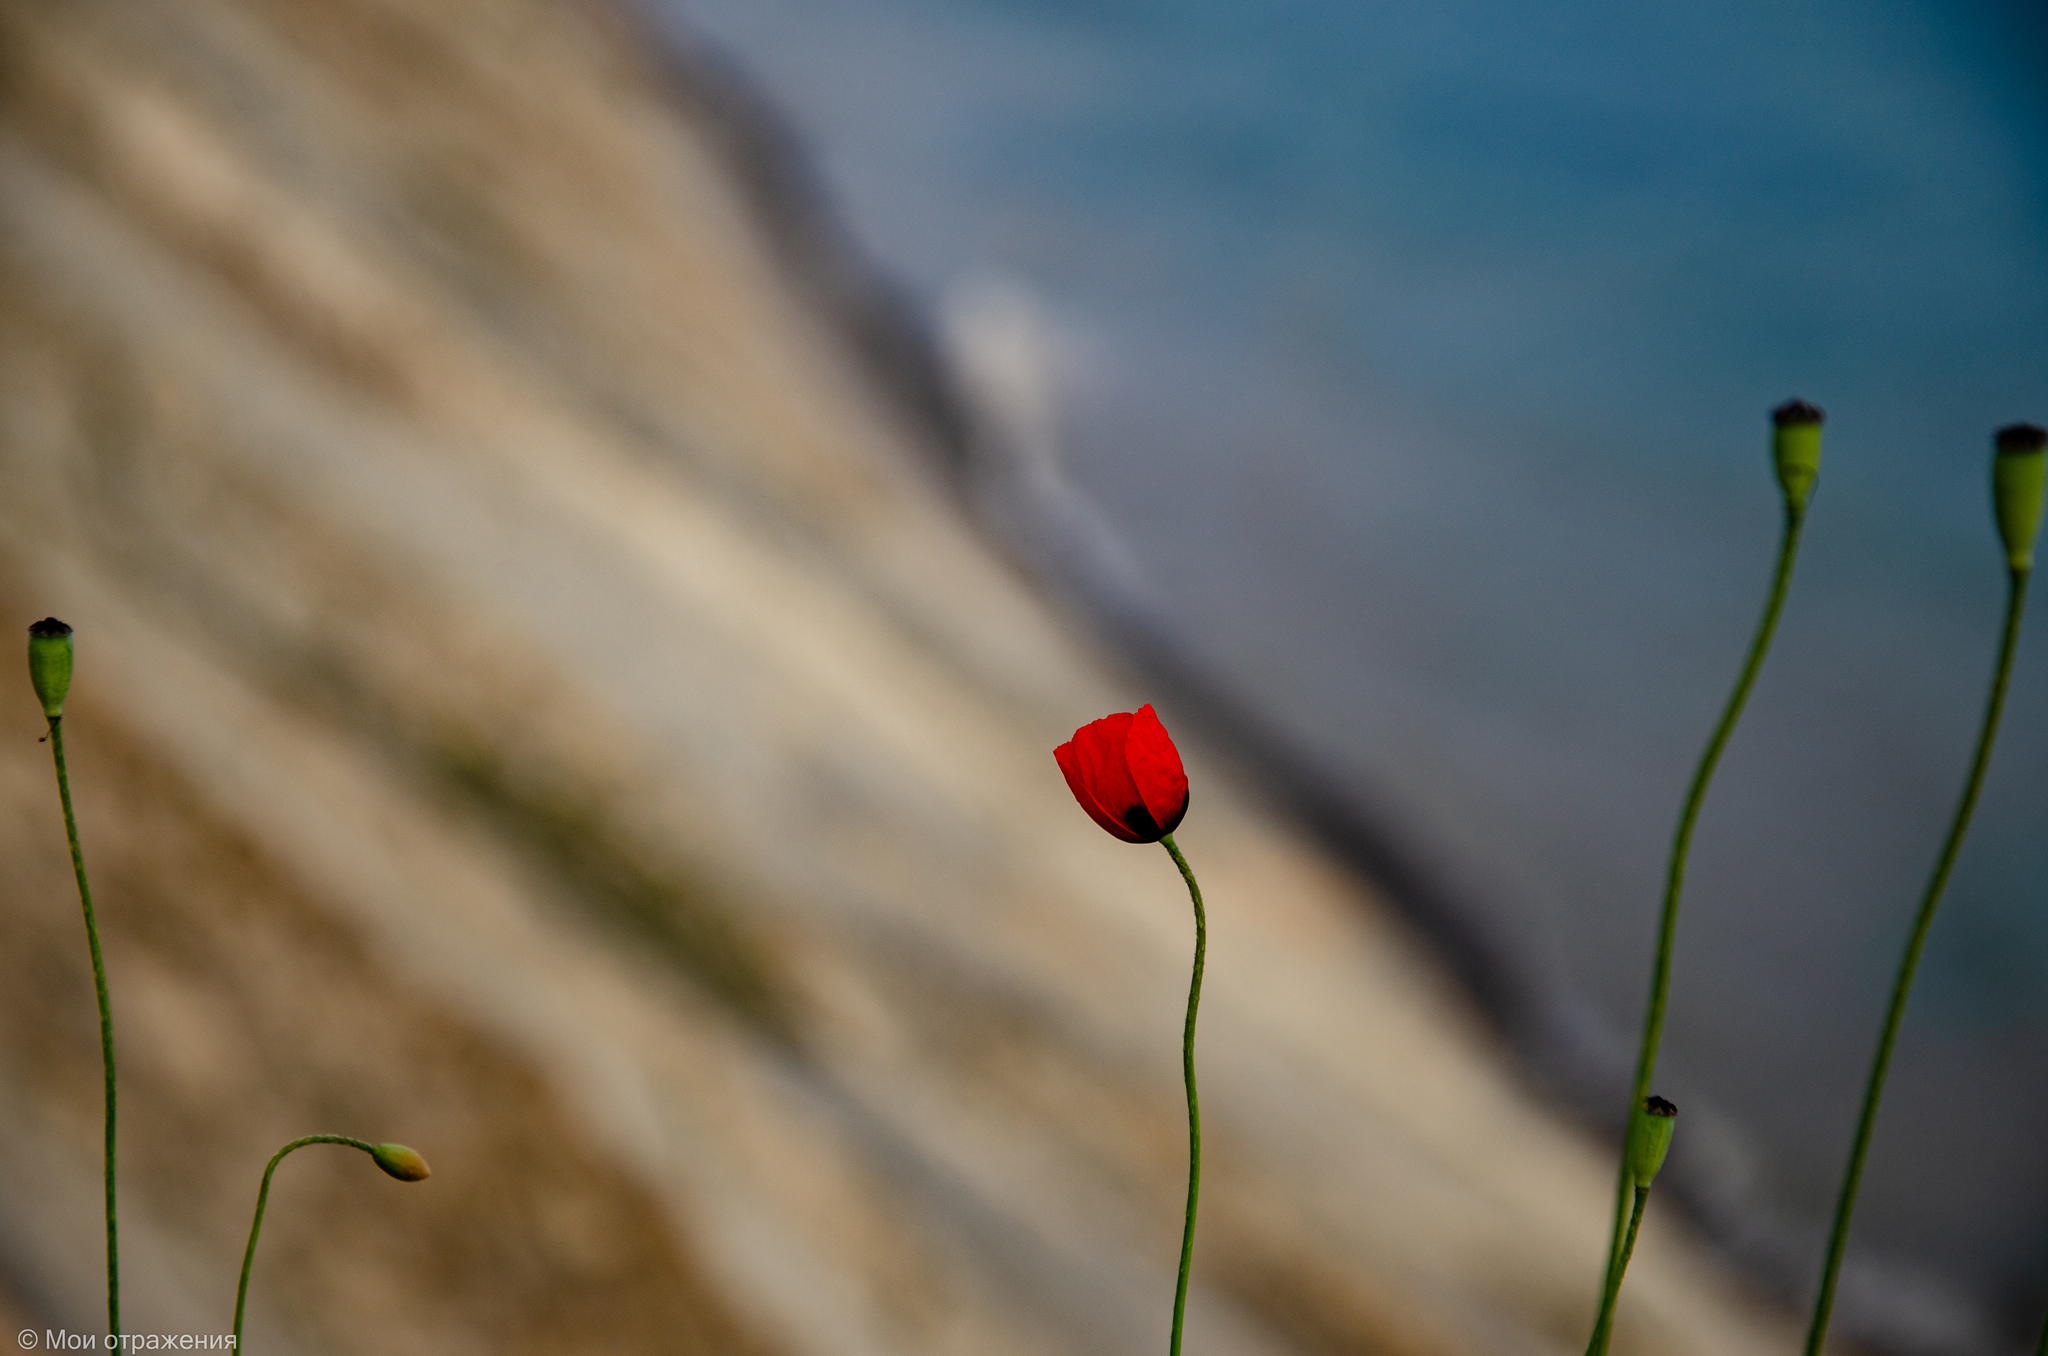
(533, 703)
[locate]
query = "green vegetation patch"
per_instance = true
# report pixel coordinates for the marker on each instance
(685, 921)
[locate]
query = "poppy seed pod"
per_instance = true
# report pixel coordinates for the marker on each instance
(1127, 775)
(403, 1163)
(2018, 472)
(1649, 1139)
(1795, 448)
(49, 663)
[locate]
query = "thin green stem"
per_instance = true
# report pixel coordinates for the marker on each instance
(1674, 881)
(99, 981)
(1187, 1064)
(1603, 1329)
(263, 1199)
(1873, 1091)
(2041, 1347)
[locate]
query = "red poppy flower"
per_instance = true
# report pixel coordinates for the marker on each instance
(1127, 775)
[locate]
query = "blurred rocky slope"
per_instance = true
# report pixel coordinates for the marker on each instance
(536, 702)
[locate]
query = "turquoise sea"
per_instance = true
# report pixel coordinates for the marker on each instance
(1419, 353)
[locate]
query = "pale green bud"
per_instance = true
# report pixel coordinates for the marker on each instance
(1649, 1138)
(403, 1163)
(49, 663)
(1795, 448)
(2018, 473)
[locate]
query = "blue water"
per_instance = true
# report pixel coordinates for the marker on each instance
(1422, 351)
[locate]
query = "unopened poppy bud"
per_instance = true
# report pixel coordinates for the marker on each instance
(1649, 1138)
(49, 663)
(1795, 447)
(403, 1163)
(2018, 473)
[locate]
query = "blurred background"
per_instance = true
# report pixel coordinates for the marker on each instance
(1419, 354)
(584, 523)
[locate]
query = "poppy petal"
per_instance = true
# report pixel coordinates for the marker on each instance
(1156, 769)
(1100, 772)
(1078, 782)
(1099, 753)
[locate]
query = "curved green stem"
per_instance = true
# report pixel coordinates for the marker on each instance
(1187, 1057)
(1873, 1091)
(1674, 882)
(1603, 1328)
(99, 980)
(263, 1199)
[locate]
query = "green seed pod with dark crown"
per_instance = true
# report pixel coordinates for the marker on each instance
(1795, 448)
(2019, 472)
(403, 1163)
(49, 663)
(1649, 1139)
